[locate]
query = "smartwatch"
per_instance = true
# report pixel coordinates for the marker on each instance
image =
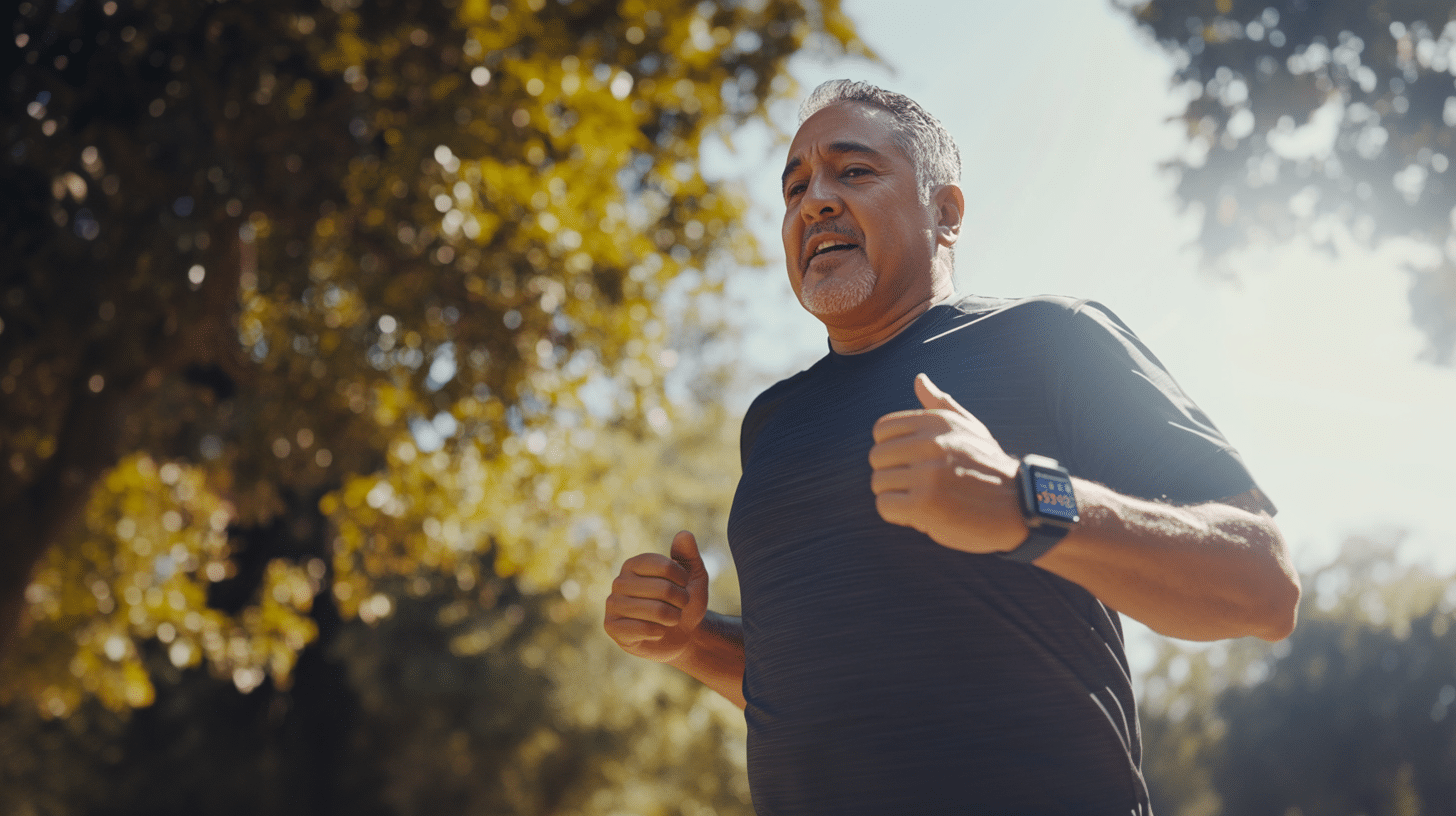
(1048, 504)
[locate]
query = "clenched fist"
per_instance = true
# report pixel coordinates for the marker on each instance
(939, 470)
(658, 601)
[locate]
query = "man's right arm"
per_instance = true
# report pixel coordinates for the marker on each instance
(716, 656)
(658, 611)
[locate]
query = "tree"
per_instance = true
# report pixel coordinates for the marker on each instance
(484, 699)
(1352, 714)
(397, 261)
(335, 332)
(1309, 111)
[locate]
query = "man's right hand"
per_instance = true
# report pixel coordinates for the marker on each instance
(658, 601)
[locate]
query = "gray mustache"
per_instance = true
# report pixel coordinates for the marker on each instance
(829, 226)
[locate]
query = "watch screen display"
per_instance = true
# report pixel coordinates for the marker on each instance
(1053, 495)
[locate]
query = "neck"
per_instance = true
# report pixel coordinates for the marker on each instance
(859, 339)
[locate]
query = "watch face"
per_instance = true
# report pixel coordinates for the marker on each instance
(1053, 494)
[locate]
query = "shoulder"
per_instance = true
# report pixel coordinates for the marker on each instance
(1051, 316)
(766, 404)
(769, 399)
(1045, 307)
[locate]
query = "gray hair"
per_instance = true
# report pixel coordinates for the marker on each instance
(924, 140)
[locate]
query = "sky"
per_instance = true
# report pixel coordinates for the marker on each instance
(1307, 362)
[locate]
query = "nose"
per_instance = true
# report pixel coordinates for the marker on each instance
(820, 200)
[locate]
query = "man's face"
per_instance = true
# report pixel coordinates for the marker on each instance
(857, 238)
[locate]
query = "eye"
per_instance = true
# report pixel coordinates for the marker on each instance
(793, 189)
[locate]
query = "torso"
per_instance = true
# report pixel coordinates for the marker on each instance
(886, 673)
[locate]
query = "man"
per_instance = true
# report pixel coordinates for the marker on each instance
(929, 619)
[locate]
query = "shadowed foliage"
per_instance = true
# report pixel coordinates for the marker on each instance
(334, 338)
(1354, 713)
(1304, 112)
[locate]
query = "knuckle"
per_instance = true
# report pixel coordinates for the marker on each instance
(659, 612)
(635, 564)
(915, 502)
(622, 631)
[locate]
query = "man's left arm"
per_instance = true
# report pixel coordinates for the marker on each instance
(1200, 572)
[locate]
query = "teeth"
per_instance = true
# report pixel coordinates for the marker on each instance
(831, 245)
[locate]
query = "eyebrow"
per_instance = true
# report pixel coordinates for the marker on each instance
(834, 147)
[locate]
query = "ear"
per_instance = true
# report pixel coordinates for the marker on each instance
(950, 208)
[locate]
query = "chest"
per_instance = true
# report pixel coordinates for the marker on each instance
(806, 475)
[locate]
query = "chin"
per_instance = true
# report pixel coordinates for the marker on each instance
(832, 296)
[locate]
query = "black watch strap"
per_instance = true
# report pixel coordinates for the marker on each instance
(1044, 489)
(1038, 541)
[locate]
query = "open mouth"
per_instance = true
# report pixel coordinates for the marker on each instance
(829, 247)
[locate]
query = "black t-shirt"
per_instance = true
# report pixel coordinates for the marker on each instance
(888, 674)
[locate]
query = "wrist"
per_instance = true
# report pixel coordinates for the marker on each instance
(695, 646)
(684, 659)
(1048, 507)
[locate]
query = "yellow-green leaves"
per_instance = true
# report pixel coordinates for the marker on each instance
(154, 538)
(340, 308)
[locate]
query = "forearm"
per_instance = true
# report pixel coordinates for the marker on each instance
(1200, 572)
(715, 656)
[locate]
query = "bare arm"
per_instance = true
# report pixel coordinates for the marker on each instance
(716, 656)
(658, 611)
(1198, 572)
(1201, 572)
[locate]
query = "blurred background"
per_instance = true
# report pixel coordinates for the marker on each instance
(348, 349)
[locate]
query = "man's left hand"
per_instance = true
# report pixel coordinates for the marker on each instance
(940, 471)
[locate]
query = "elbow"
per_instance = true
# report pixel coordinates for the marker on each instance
(1280, 609)
(1275, 607)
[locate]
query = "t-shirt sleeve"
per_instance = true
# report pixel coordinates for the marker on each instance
(1126, 423)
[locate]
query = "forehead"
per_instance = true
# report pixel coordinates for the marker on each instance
(845, 123)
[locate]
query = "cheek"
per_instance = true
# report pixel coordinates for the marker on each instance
(791, 238)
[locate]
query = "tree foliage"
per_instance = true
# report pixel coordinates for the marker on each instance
(479, 700)
(1353, 714)
(266, 254)
(320, 314)
(1302, 111)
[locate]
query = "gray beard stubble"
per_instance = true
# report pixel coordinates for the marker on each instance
(833, 295)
